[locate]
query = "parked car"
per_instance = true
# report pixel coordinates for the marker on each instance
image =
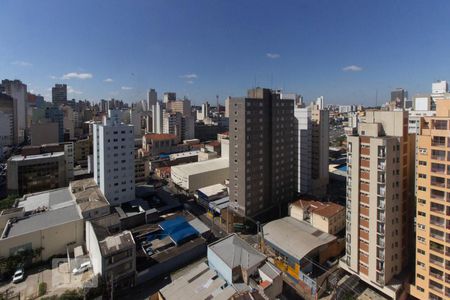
(18, 276)
(83, 268)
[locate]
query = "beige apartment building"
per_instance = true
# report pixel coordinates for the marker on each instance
(380, 201)
(432, 275)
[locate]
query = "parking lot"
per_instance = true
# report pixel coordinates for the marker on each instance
(58, 280)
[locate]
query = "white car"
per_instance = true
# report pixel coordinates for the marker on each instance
(83, 268)
(18, 276)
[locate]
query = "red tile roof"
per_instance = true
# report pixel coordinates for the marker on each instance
(324, 209)
(160, 136)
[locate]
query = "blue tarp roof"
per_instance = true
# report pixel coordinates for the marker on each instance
(178, 229)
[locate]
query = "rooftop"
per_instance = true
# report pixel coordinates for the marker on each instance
(160, 136)
(35, 157)
(116, 243)
(294, 237)
(43, 220)
(183, 154)
(48, 200)
(202, 166)
(324, 209)
(87, 194)
(199, 283)
(212, 190)
(234, 252)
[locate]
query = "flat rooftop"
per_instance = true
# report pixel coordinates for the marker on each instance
(116, 243)
(43, 220)
(51, 200)
(200, 283)
(213, 190)
(36, 156)
(294, 237)
(202, 166)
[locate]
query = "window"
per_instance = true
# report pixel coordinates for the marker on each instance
(422, 163)
(423, 176)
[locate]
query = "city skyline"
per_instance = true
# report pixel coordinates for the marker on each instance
(347, 53)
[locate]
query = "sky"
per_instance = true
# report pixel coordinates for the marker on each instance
(348, 51)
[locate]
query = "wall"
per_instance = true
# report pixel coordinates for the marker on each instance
(53, 240)
(93, 248)
(217, 264)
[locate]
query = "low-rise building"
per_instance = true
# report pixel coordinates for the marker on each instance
(91, 202)
(35, 173)
(193, 176)
(298, 248)
(244, 267)
(210, 193)
(156, 143)
(82, 149)
(47, 220)
(112, 252)
(326, 216)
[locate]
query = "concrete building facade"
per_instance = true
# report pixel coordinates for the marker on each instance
(261, 152)
(432, 265)
(379, 200)
(18, 91)
(114, 160)
(59, 94)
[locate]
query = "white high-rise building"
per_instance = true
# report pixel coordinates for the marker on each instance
(319, 102)
(157, 118)
(114, 159)
(304, 147)
(18, 91)
(204, 113)
(152, 98)
(439, 87)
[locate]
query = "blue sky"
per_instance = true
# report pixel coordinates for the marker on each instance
(201, 48)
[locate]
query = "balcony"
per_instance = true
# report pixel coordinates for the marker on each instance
(381, 204)
(380, 243)
(436, 247)
(382, 166)
(381, 217)
(436, 275)
(382, 191)
(436, 262)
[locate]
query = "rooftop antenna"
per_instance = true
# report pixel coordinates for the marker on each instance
(218, 108)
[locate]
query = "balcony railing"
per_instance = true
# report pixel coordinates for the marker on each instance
(436, 275)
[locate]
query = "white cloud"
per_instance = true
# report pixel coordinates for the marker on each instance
(190, 81)
(126, 88)
(71, 90)
(108, 80)
(190, 76)
(21, 63)
(76, 75)
(53, 77)
(273, 55)
(352, 68)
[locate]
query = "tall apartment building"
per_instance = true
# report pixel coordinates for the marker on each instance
(7, 133)
(18, 91)
(181, 106)
(303, 149)
(152, 98)
(55, 115)
(172, 124)
(169, 96)
(59, 94)
(157, 118)
(261, 153)
(432, 266)
(114, 159)
(380, 200)
(399, 97)
(319, 143)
